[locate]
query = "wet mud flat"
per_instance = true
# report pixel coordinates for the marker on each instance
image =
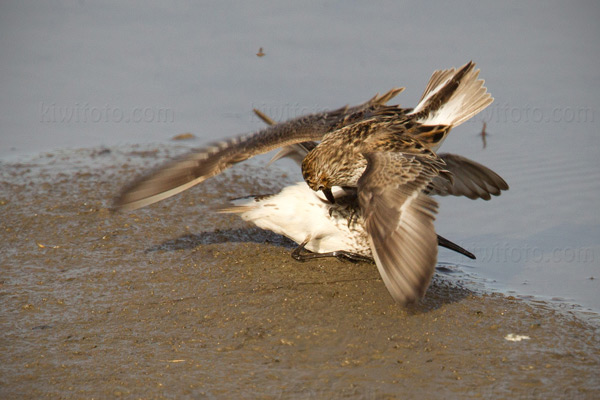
(176, 301)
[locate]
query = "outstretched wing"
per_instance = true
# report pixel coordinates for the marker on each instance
(469, 179)
(199, 165)
(298, 151)
(399, 220)
(463, 177)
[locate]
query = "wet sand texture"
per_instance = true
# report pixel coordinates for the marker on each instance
(175, 301)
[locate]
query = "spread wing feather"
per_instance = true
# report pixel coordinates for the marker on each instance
(469, 179)
(399, 220)
(199, 165)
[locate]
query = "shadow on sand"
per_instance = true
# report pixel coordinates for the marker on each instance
(446, 286)
(241, 235)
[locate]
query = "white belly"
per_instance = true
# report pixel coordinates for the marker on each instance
(298, 213)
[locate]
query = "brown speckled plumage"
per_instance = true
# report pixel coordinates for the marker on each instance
(387, 154)
(199, 165)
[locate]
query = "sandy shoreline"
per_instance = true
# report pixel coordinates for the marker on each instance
(175, 301)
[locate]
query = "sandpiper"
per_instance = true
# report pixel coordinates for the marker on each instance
(323, 228)
(197, 166)
(385, 155)
(336, 229)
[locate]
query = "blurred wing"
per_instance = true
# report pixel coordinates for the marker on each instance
(298, 151)
(399, 220)
(468, 178)
(199, 165)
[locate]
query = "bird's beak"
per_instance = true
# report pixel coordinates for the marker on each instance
(329, 195)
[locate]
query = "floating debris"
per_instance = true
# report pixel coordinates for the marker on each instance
(100, 152)
(43, 246)
(513, 337)
(184, 136)
(41, 327)
(484, 134)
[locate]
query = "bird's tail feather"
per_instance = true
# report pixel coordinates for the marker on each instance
(452, 97)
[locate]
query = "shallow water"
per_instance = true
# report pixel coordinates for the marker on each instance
(86, 75)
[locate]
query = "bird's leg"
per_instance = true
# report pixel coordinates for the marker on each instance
(347, 255)
(353, 218)
(340, 254)
(453, 246)
(302, 257)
